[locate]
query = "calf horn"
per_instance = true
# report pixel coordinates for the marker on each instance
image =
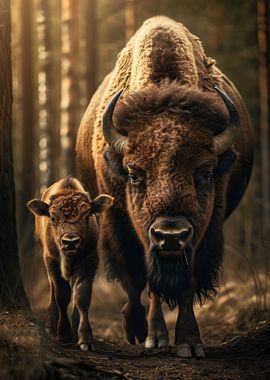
(113, 138)
(225, 139)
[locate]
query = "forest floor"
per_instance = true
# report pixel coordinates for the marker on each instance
(27, 352)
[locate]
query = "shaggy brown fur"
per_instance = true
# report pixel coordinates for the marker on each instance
(169, 112)
(188, 105)
(67, 230)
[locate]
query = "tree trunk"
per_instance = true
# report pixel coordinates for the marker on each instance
(54, 84)
(11, 288)
(27, 181)
(69, 88)
(91, 53)
(264, 85)
(44, 93)
(130, 17)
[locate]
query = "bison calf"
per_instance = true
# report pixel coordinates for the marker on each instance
(67, 231)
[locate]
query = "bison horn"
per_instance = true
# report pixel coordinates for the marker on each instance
(225, 139)
(113, 138)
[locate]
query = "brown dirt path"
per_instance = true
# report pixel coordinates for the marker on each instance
(27, 352)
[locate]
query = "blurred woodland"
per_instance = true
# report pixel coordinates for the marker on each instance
(61, 51)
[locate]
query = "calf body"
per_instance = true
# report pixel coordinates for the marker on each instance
(67, 230)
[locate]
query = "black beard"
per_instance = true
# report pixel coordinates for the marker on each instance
(168, 278)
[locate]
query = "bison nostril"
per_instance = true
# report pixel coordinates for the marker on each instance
(157, 236)
(171, 235)
(184, 237)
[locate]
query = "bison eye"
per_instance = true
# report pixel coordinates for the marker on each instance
(136, 175)
(205, 174)
(209, 177)
(205, 178)
(133, 178)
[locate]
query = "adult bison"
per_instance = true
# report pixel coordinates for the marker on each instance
(175, 151)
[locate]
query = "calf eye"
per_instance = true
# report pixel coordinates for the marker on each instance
(53, 220)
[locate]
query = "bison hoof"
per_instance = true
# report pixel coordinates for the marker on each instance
(87, 347)
(199, 351)
(84, 347)
(154, 342)
(140, 335)
(134, 324)
(150, 342)
(185, 350)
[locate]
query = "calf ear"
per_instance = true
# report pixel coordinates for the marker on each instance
(101, 203)
(38, 207)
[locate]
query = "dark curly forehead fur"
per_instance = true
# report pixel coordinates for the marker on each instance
(189, 105)
(69, 204)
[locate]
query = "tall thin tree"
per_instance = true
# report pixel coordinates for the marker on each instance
(263, 8)
(130, 18)
(27, 180)
(11, 287)
(45, 104)
(91, 47)
(69, 87)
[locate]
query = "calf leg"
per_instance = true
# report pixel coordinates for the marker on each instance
(82, 291)
(62, 294)
(53, 312)
(75, 322)
(187, 335)
(157, 330)
(134, 323)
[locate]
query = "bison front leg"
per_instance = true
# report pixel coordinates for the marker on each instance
(157, 330)
(135, 323)
(187, 335)
(82, 291)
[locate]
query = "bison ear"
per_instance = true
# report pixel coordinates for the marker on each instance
(101, 203)
(114, 163)
(38, 207)
(225, 162)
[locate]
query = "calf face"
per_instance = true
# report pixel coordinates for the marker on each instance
(69, 213)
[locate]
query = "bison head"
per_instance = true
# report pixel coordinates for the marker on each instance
(69, 213)
(171, 145)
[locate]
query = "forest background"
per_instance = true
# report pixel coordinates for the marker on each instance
(61, 51)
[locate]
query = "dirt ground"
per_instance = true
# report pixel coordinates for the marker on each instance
(27, 352)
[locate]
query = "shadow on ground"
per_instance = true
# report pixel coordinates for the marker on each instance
(27, 352)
